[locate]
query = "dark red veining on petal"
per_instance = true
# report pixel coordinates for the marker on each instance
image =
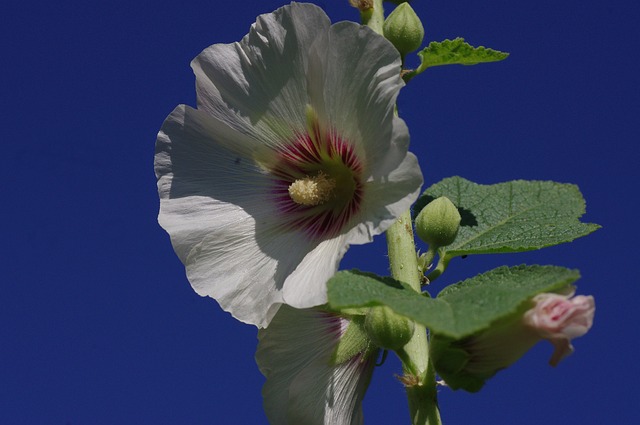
(335, 325)
(305, 156)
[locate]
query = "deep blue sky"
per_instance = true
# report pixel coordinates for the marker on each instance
(98, 324)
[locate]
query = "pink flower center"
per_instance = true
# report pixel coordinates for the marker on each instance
(318, 182)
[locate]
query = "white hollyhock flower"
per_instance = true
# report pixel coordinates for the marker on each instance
(308, 380)
(293, 154)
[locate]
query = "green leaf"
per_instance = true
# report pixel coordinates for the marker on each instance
(514, 216)
(354, 289)
(456, 52)
(349, 289)
(459, 310)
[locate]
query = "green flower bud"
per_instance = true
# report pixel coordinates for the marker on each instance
(438, 222)
(404, 29)
(388, 329)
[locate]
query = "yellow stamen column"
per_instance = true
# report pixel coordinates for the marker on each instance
(312, 191)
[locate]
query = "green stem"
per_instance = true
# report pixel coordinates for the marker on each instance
(419, 377)
(373, 17)
(406, 362)
(443, 262)
(423, 400)
(426, 260)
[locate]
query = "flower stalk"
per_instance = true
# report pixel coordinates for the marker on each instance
(419, 375)
(373, 17)
(443, 263)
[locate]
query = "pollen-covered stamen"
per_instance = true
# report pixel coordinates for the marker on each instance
(311, 191)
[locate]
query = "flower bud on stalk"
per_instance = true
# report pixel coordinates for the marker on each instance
(468, 362)
(404, 29)
(438, 223)
(388, 329)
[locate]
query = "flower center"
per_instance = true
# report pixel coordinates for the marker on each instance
(318, 184)
(311, 191)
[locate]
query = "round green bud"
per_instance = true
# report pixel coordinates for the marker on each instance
(438, 222)
(388, 329)
(404, 29)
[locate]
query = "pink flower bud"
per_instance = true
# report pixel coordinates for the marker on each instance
(559, 319)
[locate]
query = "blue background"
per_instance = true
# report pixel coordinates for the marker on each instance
(98, 324)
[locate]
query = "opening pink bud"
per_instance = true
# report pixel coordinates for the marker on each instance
(560, 318)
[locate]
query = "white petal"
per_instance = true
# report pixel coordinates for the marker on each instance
(329, 395)
(354, 79)
(306, 286)
(203, 139)
(216, 205)
(392, 196)
(258, 85)
(386, 199)
(302, 387)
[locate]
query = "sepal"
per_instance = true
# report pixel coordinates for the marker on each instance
(388, 329)
(354, 341)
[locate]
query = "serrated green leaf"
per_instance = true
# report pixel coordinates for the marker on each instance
(459, 310)
(456, 52)
(514, 216)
